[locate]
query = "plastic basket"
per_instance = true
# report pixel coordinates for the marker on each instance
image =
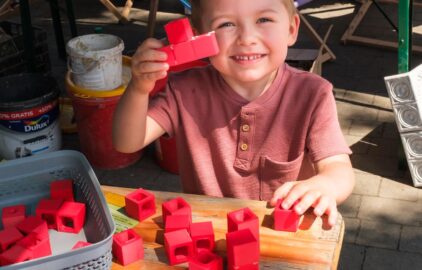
(27, 180)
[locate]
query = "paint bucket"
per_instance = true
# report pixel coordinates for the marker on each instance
(95, 61)
(94, 112)
(28, 113)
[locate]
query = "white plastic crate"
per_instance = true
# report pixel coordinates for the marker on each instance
(27, 180)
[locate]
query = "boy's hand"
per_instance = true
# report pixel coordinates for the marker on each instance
(148, 65)
(307, 194)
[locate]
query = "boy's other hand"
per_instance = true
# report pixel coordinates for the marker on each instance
(308, 195)
(148, 65)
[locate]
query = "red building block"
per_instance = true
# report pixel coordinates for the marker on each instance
(285, 220)
(140, 204)
(71, 217)
(8, 237)
(38, 245)
(15, 254)
(177, 222)
(202, 235)
(62, 190)
(128, 247)
(178, 31)
(47, 210)
(243, 219)
(184, 47)
(33, 224)
(179, 246)
(80, 244)
(176, 206)
(206, 260)
(12, 215)
(242, 249)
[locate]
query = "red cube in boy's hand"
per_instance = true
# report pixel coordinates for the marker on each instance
(62, 190)
(47, 210)
(202, 235)
(242, 250)
(206, 260)
(128, 247)
(8, 237)
(12, 215)
(285, 220)
(179, 247)
(243, 219)
(140, 204)
(178, 31)
(71, 217)
(177, 206)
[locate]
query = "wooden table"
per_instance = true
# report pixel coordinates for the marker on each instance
(313, 246)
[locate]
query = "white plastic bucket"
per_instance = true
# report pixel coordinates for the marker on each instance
(95, 61)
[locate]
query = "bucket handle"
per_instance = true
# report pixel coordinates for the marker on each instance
(91, 67)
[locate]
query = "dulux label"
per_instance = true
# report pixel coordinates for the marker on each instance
(33, 124)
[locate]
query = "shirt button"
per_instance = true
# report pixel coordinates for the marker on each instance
(245, 128)
(244, 146)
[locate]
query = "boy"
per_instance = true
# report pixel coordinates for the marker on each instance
(248, 125)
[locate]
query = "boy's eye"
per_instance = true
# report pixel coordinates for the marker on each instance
(263, 20)
(225, 24)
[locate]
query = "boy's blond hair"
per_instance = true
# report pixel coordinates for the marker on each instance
(197, 11)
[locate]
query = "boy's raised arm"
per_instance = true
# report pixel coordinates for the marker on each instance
(132, 128)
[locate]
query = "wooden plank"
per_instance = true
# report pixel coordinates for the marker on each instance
(356, 21)
(380, 43)
(313, 246)
(114, 10)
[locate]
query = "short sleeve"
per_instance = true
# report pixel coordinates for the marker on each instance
(325, 137)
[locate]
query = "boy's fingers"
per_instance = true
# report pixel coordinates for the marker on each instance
(281, 192)
(296, 192)
(332, 214)
(321, 207)
(307, 201)
(151, 67)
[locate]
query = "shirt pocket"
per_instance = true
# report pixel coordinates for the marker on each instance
(272, 174)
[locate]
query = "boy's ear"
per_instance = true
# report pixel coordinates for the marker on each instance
(293, 30)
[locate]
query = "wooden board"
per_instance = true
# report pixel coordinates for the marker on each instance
(313, 246)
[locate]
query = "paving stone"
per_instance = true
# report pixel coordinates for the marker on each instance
(377, 258)
(396, 190)
(358, 97)
(378, 165)
(351, 257)
(390, 130)
(357, 145)
(411, 239)
(350, 207)
(382, 102)
(352, 226)
(348, 110)
(345, 125)
(389, 211)
(339, 93)
(367, 184)
(384, 147)
(385, 116)
(378, 234)
(366, 128)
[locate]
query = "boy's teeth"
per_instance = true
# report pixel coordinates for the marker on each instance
(247, 58)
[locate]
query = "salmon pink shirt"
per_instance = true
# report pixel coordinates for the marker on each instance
(231, 147)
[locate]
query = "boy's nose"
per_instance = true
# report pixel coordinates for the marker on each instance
(246, 35)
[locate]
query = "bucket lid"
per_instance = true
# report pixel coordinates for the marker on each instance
(26, 91)
(94, 46)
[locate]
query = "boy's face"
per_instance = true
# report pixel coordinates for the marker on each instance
(253, 36)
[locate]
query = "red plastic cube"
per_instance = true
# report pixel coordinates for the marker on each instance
(62, 190)
(47, 210)
(285, 220)
(205, 45)
(8, 237)
(140, 204)
(80, 244)
(15, 254)
(33, 224)
(177, 206)
(71, 217)
(128, 247)
(179, 246)
(243, 219)
(177, 222)
(242, 249)
(202, 235)
(12, 215)
(169, 50)
(38, 245)
(184, 53)
(206, 260)
(178, 31)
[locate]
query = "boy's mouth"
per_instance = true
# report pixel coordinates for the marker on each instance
(247, 58)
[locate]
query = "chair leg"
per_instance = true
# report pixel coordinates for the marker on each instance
(152, 16)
